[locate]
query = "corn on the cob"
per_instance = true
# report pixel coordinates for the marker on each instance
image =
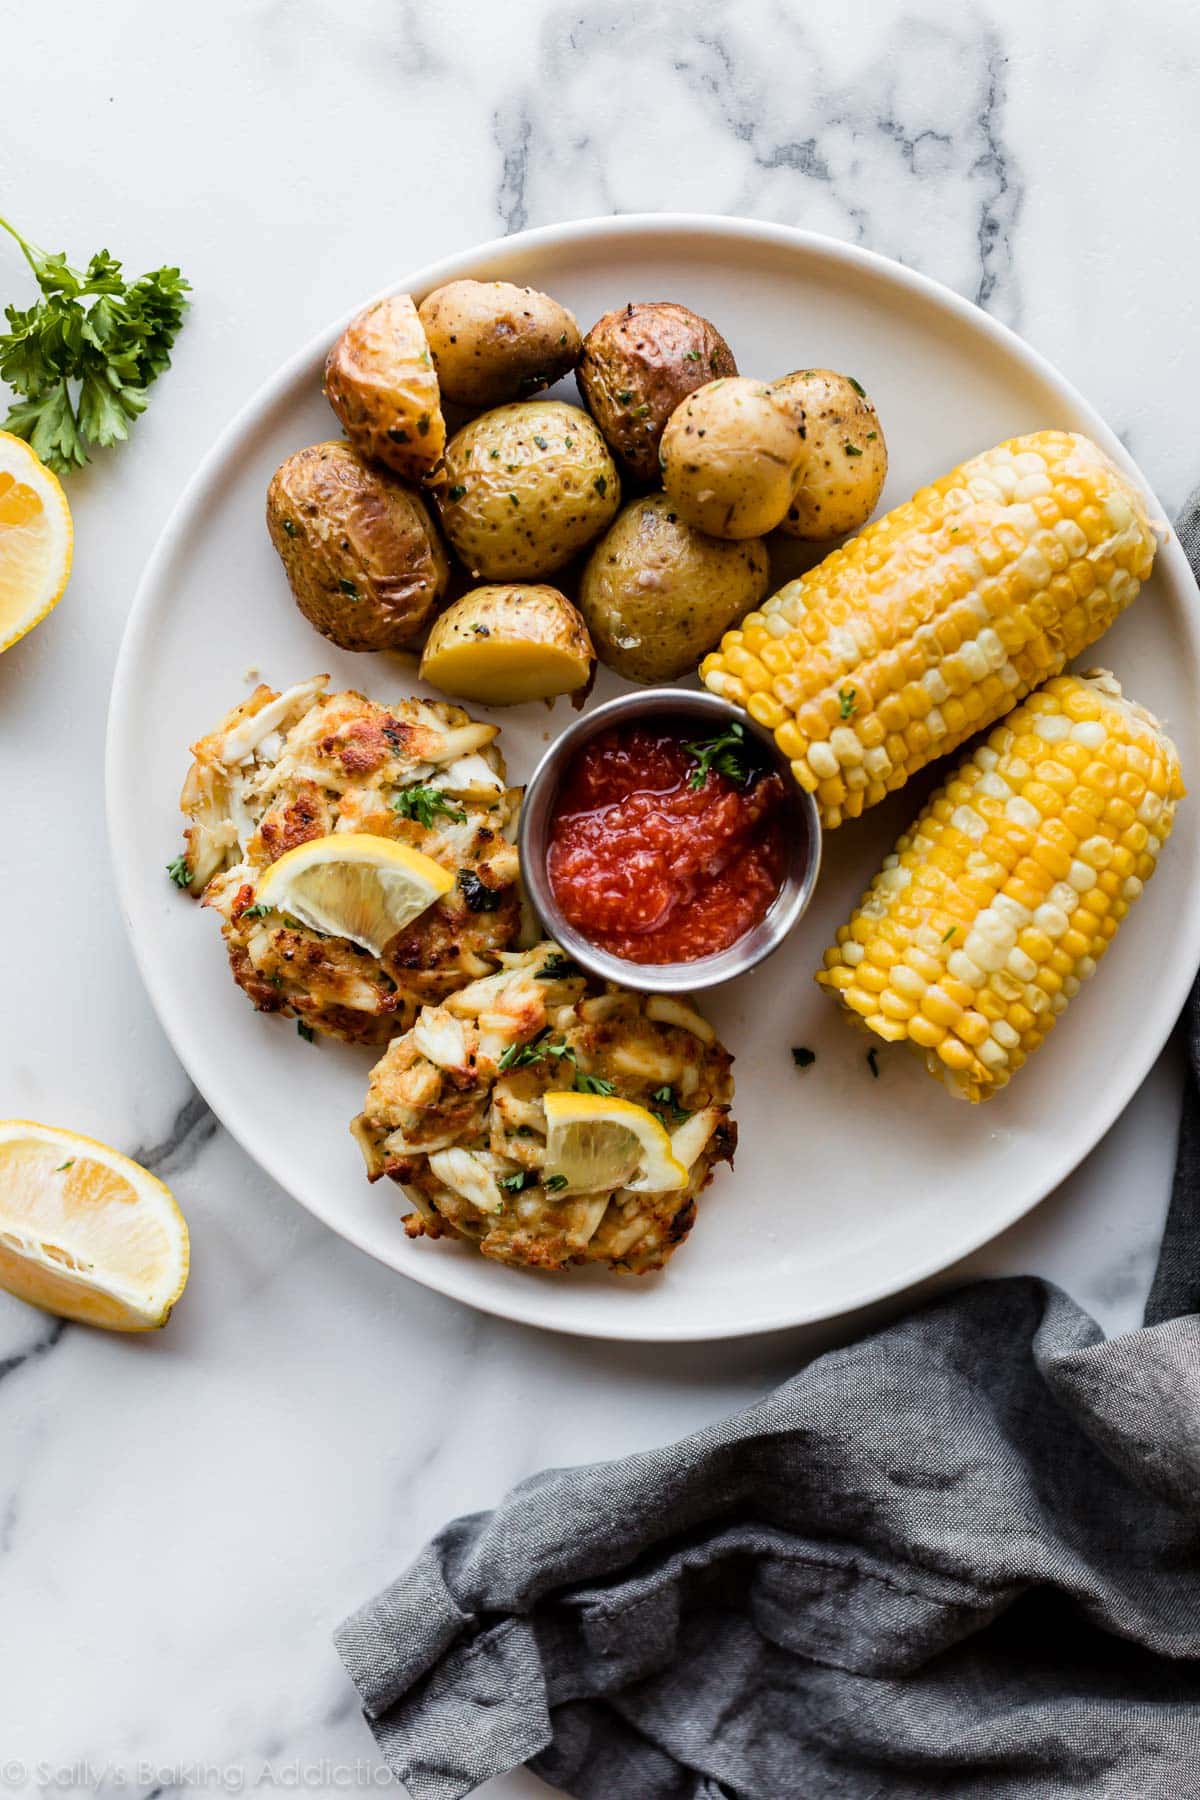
(1001, 899)
(939, 617)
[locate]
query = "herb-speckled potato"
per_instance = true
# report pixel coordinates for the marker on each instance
(506, 644)
(492, 342)
(381, 383)
(638, 364)
(658, 595)
(730, 458)
(360, 549)
(845, 456)
(528, 486)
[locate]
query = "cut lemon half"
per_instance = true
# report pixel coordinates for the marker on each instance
(354, 885)
(598, 1142)
(36, 539)
(86, 1233)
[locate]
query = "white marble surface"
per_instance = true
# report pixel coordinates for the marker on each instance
(184, 1520)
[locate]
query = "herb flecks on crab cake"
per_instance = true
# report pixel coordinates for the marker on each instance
(283, 769)
(552, 1119)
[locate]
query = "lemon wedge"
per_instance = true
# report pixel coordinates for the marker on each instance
(36, 539)
(86, 1233)
(354, 885)
(598, 1141)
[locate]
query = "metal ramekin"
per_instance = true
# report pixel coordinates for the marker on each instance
(706, 715)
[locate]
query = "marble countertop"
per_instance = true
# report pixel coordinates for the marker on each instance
(183, 1520)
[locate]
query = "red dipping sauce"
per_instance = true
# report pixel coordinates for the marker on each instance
(648, 867)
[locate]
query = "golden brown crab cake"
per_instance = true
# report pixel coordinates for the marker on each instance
(283, 768)
(455, 1111)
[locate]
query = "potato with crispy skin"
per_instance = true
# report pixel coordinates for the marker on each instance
(361, 551)
(281, 769)
(731, 459)
(507, 644)
(845, 456)
(528, 487)
(454, 1112)
(657, 595)
(493, 342)
(638, 364)
(381, 383)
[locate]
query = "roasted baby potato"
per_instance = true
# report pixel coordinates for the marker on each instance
(845, 456)
(492, 342)
(731, 458)
(381, 383)
(506, 644)
(362, 553)
(528, 486)
(638, 364)
(657, 595)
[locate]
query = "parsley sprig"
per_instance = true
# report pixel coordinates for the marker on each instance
(728, 754)
(83, 356)
(425, 804)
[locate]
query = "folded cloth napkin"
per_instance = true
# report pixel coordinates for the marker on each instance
(961, 1557)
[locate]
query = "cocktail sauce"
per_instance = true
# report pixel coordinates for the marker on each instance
(657, 860)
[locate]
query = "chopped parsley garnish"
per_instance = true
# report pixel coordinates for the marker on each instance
(258, 911)
(349, 588)
(641, 412)
(289, 526)
(591, 1084)
(691, 356)
(871, 436)
(456, 492)
(521, 1056)
(625, 396)
(949, 934)
(873, 1062)
(477, 894)
(569, 441)
(540, 441)
(425, 804)
(601, 485)
(858, 387)
(306, 1031)
(558, 967)
(514, 500)
(803, 1057)
(852, 449)
(180, 872)
(563, 338)
(495, 455)
(513, 1184)
(69, 1164)
(668, 1110)
(847, 701)
(553, 1182)
(728, 754)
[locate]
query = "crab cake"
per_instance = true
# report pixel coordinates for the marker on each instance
(456, 1110)
(284, 768)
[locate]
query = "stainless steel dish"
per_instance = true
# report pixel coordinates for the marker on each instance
(702, 713)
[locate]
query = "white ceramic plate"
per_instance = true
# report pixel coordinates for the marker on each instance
(847, 1187)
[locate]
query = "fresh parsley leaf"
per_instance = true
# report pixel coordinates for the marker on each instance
(691, 356)
(80, 360)
(520, 1056)
(847, 701)
(69, 1164)
(253, 912)
(946, 936)
(858, 387)
(540, 441)
(851, 449)
(349, 588)
(455, 492)
(425, 804)
(552, 1183)
(306, 1031)
(514, 1183)
(668, 1111)
(591, 1084)
(180, 872)
(728, 754)
(803, 1057)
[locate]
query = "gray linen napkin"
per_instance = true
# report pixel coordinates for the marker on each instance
(961, 1557)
